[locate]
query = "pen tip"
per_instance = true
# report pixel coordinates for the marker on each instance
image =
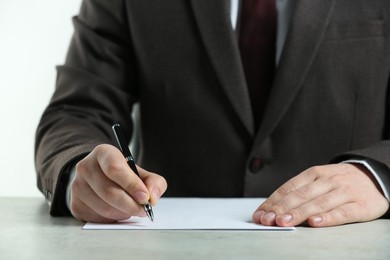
(149, 211)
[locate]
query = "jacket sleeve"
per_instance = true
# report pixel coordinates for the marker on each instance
(95, 88)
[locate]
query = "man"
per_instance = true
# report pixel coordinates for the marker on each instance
(318, 149)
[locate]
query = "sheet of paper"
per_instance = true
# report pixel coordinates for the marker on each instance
(196, 214)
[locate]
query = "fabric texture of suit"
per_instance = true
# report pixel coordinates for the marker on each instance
(180, 60)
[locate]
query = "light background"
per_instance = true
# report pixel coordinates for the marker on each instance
(34, 37)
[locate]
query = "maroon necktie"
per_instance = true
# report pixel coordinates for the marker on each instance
(257, 46)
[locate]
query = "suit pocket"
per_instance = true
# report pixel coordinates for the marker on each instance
(357, 30)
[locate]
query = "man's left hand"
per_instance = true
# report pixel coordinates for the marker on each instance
(328, 195)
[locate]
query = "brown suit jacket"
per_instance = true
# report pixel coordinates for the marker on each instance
(180, 60)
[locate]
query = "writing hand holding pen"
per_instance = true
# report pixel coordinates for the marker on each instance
(105, 188)
(123, 146)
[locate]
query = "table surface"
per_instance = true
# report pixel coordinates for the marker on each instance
(27, 231)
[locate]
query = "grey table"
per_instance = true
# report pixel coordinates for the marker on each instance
(28, 232)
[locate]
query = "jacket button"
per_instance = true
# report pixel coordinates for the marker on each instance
(256, 164)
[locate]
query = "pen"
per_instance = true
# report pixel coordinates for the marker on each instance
(123, 146)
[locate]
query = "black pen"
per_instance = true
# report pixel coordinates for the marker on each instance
(123, 146)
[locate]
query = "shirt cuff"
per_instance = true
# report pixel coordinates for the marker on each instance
(72, 174)
(374, 173)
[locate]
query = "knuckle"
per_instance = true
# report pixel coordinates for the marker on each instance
(163, 183)
(110, 195)
(132, 186)
(76, 185)
(152, 179)
(108, 212)
(82, 167)
(344, 214)
(114, 214)
(114, 170)
(77, 210)
(313, 171)
(280, 208)
(322, 203)
(302, 194)
(114, 167)
(100, 148)
(285, 189)
(299, 212)
(310, 174)
(266, 205)
(338, 216)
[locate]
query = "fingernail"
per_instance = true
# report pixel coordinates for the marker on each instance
(141, 197)
(269, 218)
(286, 218)
(257, 216)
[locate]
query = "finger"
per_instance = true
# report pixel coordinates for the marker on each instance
(347, 213)
(291, 201)
(298, 205)
(287, 188)
(84, 213)
(115, 167)
(85, 204)
(293, 184)
(356, 211)
(155, 183)
(318, 205)
(114, 195)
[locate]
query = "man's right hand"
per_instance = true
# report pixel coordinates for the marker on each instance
(105, 189)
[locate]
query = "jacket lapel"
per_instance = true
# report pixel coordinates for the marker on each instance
(213, 20)
(306, 30)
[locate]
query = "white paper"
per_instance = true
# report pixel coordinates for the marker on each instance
(196, 214)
